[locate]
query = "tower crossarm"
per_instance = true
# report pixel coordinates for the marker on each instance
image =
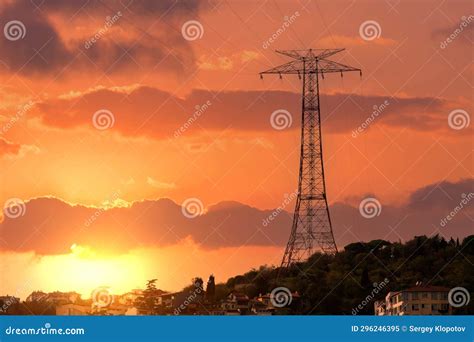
(307, 66)
(294, 67)
(327, 66)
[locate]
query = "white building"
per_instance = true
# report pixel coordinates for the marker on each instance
(418, 300)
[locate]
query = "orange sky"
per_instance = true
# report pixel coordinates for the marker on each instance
(144, 72)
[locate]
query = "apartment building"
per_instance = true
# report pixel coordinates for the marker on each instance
(418, 300)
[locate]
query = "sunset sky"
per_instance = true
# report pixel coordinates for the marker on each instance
(113, 114)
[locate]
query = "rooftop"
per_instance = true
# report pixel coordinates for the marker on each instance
(423, 288)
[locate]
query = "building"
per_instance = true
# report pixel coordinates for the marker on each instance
(182, 303)
(73, 309)
(236, 304)
(131, 297)
(263, 305)
(418, 300)
(259, 308)
(58, 297)
(133, 311)
(169, 301)
(55, 297)
(112, 310)
(36, 296)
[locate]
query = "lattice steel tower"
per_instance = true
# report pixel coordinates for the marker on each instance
(311, 220)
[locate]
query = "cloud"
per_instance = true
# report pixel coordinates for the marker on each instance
(103, 7)
(160, 185)
(7, 147)
(147, 111)
(462, 31)
(51, 226)
(215, 63)
(41, 49)
(125, 45)
(423, 214)
(342, 40)
(249, 55)
(206, 62)
(13, 150)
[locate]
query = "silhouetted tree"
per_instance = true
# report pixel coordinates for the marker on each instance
(364, 278)
(211, 289)
(198, 283)
(148, 302)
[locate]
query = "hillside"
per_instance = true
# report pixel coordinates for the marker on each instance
(336, 284)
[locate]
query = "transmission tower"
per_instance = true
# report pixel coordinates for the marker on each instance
(311, 220)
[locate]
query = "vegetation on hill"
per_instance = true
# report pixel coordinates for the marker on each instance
(336, 284)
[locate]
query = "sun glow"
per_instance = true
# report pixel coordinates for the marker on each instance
(84, 270)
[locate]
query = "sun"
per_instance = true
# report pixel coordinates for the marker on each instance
(84, 270)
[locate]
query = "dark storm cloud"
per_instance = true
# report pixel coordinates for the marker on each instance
(44, 51)
(40, 51)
